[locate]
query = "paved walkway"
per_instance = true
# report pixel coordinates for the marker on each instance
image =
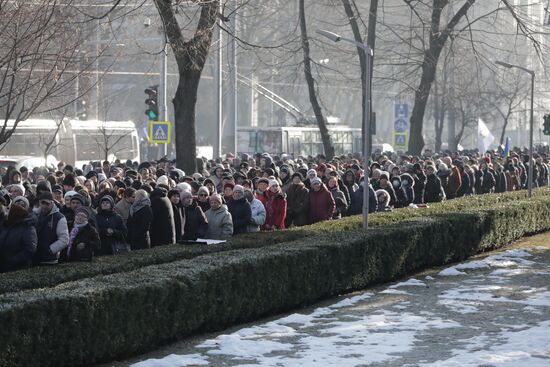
(490, 311)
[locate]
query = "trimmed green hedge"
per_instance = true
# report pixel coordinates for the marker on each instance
(112, 316)
(42, 277)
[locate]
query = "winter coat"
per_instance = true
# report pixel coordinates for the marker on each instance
(18, 243)
(258, 214)
(500, 178)
(454, 183)
(321, 205)
(122, 208)
(163, 230)
(389, 189)
(297, 205)
(106, 219)
(195, 224)
(433, 192)
(241, 213)
(489, 182)
(53, 236)
(478, 182)
(220, 223)
(465, 186)
(178, 220)
(90, 238)
(419, 187)
(356, 206)
(139, 225)
(204, 205)
(275, 210)
(512, 181)
(340, 202)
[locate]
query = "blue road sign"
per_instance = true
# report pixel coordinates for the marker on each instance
(401, 125)
(401, 111)
(159, 131)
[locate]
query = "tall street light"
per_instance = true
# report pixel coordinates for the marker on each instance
(530, 178)
(367, 77)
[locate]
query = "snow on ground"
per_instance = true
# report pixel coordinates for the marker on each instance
(496, 312)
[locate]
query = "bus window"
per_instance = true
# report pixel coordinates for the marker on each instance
(91, 145)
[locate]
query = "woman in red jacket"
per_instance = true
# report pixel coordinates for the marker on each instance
(321, 202)
(275, 207)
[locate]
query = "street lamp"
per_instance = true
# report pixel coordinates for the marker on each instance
(366, 113)
(532, 73)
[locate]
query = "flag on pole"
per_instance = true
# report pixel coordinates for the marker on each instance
(484, 137)
(506, 152)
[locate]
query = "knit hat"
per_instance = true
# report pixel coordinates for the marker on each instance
(216, 197)
(311, 172)
(183, 186)
(106, 198)
(298, 174)
(173, 192)
(316, 180)
(21, 199)
(239, 188)
(264, 180)
(82, 210)
(228, 184)
(79, 197)
(69, 180)
(185, 195)
(273, 183)
(203, 189)
(69, 195)
(45, 196)
(19, 187)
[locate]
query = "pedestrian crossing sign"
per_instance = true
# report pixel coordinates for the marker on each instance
(159, 131)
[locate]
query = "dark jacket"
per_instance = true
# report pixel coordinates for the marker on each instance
(18, 243)
(53, 236)
(419, 187)
(106, 219)
(297, 205)
(90, 238)
(241, 214)
(195, 222)
(139, 224)
(489, 182)
(433, 192)
(465, 186)
(356, 206)
(162, 227)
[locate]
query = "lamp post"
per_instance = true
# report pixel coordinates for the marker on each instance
(366, 113)
(532, 73)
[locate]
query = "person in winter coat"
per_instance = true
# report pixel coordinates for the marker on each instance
(419, 183)
(110, 226)
(275, 207)
(433, 191)
(488, 185)
(257, 209)
(18, 239)
(297, 212)
(500, 178)
(285, 174)
(356, 206)
(407, 183)
(478, 183)
(83, 239)
(123, 206)
(202, 198)
(339, 198)
(321, 203)
(512, 179)
(194, 223)
(385, 184)
(465, 185)
(240, 211)
(261, 191)
(162, 227)
(139, 221)
(220, 223)
(401, 197)
(52, 231)
(177, 208)
(383, 199)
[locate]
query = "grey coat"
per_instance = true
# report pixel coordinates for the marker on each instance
(220, 223)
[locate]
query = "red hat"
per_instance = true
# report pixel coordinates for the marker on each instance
(229, 184)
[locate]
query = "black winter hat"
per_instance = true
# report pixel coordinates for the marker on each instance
(106, 198)
(298, 174)
(78, 197)
(91, 174)
(69, 180)
(45, 195)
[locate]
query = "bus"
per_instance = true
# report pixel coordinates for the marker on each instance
(76, 142)
(298, 141)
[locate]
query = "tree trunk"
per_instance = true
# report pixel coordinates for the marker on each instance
(438, 37)
(190, 58)
(325, 136)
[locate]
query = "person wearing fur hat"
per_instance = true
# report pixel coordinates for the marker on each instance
(383, 199)
(162, 227)
(83, 238)
(111, 227)
(193, 220)
(139, 221)
(18, 239)
(52, 231)
(385, 184)
(275, 207)
(297, 202)
(407, 183)
(220, 222)
(321, 202)
(240, 210)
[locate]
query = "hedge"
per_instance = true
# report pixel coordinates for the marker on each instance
(113, 316)
(42, 277)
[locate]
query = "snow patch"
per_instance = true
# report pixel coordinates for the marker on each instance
(449, 272)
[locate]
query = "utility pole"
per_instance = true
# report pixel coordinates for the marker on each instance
(232, 62)
(219, 88)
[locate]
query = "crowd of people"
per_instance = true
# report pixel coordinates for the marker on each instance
(73, 214)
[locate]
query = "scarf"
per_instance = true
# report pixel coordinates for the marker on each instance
(139, 204)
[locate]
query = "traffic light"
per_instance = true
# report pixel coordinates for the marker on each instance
(546, 129)
(152, 103)
(81, 110)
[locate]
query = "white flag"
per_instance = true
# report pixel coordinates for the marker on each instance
(484, 137)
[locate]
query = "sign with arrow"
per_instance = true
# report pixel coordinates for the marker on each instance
(159, 132)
